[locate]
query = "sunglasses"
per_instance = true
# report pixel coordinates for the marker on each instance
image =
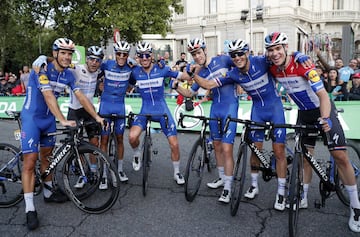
(144, 55)
(236, 54)
(122, 54)
(98, 60)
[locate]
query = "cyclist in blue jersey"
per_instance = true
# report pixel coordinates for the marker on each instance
(38, 117)
(252, 74)
(224, 102)
(306, 89)
(118, 76)
(150, 79)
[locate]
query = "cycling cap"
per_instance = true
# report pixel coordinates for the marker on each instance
(143, 47)
(275, 38)
(95, 51)
(356, 75)
(238, 45)
(122, 46)
(195, 44)
(63, 43)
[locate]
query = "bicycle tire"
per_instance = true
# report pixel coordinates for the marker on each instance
(194, 170)
(354, 157)
(146, 164)
(113, 151)
(239, 175)
(295, 192)
(90, 198)
(11, 192)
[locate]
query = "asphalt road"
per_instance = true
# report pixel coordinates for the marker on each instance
(165, 212)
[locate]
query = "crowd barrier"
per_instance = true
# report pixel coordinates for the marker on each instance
(348, 119)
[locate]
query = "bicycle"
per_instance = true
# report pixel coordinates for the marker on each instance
(329, 177)
(266, 158)
(75, 153)
(200, 155)
(147, 151)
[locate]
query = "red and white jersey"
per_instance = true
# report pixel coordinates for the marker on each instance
(300, 83)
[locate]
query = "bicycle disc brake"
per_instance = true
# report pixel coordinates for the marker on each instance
(267, 174)
(324, 190)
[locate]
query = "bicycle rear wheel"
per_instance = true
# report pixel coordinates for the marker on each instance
(89, 198)
(239, 174)
(10, 175)
(354, 157)
(295, 193)
(146, 164)
(194, 170)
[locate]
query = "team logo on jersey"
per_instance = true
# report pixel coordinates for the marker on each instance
(313, 76)
(43, 79)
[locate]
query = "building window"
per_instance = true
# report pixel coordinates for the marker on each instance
(212, 6)
(338, 4)
(258, 43)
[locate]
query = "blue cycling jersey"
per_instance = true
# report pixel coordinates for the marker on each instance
(218, 67)
(258, 82)
(151, 89)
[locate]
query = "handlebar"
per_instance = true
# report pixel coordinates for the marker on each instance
(200, 117)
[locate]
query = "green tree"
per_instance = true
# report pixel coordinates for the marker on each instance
(28, 28)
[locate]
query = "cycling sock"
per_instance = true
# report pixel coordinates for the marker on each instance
(176, 165)
(104, 171)
(120, 165)
(136, 151)
(221, 171)
(227, 182)
(353, 194)
(29, 202)
(281, 186)
(254, 179)
(47, 192)
(306, 189)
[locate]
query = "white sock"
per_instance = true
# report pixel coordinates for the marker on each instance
(136, 151)
(281, 186)
(221, 171)
(254, 179)
(104, 171)
(227, 183)
(306, 189)
(120, 165)
(93, 168)
(29, 202)
(47, 192)
(353, 194)
(176, 165)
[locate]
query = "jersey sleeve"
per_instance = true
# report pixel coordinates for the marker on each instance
(42, 81)
(314, 79)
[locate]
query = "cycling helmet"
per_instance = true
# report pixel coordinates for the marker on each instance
(95, 51)
(195, 44)
(63, 43)
(238, 45)
(275, 38)
(122, 46)
(143, 47)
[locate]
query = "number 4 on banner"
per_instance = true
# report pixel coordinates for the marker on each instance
(116, 35)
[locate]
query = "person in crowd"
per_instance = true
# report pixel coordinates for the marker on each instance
(24, 78)
(38, 117)
(315, 107)
(150, 79)
(181, 63)
(354, 93)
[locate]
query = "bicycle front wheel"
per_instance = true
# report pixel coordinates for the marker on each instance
(354, 157)
(87, 196)
(113, 151)
(295, 193)
(239, 174)
(10, 175)
(194, 170)
(146, 164)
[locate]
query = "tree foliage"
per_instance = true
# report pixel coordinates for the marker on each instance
(28, 28)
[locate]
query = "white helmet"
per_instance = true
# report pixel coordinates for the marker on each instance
(238, 45)
(275, 38)
(63, 43)
(143, 47)
(95, 51)
(195, 44)
(122, 46)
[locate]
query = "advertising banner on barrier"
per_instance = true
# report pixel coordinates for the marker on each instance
(348, 118)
